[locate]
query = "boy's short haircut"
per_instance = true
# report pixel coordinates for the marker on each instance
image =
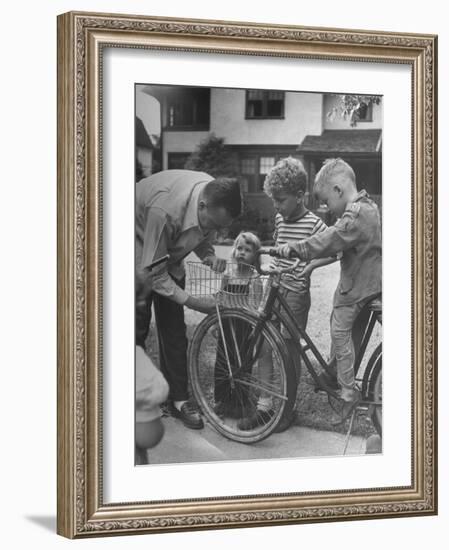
(287, 176)
(224, 193)
(335, 168)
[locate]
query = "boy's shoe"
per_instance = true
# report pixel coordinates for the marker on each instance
(220, 408)
(230, 410)
(349, 406)
(258, 418)
(189, 415)
(285, 422)
(327, 381)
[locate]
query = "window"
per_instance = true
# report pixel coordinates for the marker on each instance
(248, 170)
(189, 109)
(254, 167)
(365, 112)
(176, 161)
(264, 104)
(265, 165)
(248, 166)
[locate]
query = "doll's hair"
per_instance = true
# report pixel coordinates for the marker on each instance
(248, 238)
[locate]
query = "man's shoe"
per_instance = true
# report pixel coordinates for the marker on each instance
(258, 418)
(189, 415)
(141, 456)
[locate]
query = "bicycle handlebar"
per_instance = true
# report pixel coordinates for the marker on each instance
(270, 251)
(273, 251)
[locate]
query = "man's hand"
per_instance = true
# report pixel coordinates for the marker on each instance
(216, 264)
(205, 304)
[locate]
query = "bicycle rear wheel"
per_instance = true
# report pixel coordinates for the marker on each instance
(228, 358)
(372, 387)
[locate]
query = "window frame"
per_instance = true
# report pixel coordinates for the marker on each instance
(188, 96)
(264, 115)
(369, 113)
(256, 179)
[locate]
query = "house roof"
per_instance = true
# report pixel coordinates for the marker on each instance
(343, 141)
(142, 137)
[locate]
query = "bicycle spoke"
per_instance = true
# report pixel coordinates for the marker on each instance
(224, 339)
(263, 387)
(235, 362)
(236, 346)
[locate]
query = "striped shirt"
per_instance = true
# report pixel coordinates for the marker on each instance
(293, 232)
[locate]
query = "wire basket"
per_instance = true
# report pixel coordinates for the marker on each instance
(239, 286)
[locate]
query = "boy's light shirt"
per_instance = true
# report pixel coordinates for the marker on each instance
(167, 223)
(357, 234)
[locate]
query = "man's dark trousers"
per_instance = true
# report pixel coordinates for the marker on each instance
(172, 339)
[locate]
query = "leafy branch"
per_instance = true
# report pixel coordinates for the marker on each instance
(353, 107)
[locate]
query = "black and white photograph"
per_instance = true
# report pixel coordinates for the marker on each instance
(258, 274)
(247, 284)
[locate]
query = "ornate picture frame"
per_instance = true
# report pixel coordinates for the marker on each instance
(82, 40)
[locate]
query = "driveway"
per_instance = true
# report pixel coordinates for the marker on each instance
(181, 445)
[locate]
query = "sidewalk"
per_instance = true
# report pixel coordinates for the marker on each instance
(181, 445)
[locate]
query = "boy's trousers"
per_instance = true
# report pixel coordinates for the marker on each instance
(342, 345)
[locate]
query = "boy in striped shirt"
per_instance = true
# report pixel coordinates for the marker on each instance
(286, 185)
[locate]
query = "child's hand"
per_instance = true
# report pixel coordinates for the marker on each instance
(285, 251)
(307, 271)
(269, 267)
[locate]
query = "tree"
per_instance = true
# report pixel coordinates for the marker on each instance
(353, 107)
(211, 156)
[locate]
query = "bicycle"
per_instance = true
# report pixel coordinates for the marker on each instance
(229, 346)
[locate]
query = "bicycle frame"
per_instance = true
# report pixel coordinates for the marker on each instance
(276, 307)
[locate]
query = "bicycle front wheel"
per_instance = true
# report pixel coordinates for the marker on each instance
(236, 365)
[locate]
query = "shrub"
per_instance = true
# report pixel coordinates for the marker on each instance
(252, 220)
(212, 157)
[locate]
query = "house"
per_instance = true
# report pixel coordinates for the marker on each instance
(360, 145)
(262, 126)
(144, 150)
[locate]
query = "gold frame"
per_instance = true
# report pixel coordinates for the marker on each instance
(81, 37)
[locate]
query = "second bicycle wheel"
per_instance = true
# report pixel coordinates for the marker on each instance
(372, 387)
(235, 366)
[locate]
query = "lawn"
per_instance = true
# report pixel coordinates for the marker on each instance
(312, 409)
